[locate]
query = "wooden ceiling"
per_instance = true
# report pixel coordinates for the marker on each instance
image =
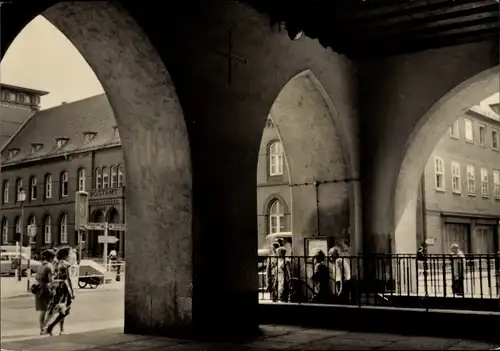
(360, 28)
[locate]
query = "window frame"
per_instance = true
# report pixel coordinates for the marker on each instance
(5, 231)
(81, 179)
(121, 176)
(105, 177)
(64, 184)
(48, 186)
(278, 216)
(439, 173)
(98, 178)
(276, 158)
(456, 177)
(482, 126)
(33, 188)
(113, 176)
(63, 225)
(471, 177)
(47, 225)
(485, 184)
(494, 140)
(454, 130)
(6, 192)
(468, 122)
(496, 184)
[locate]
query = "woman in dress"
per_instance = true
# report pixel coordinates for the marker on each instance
(44, 278)
(283, 275)
(321, 279)
(62, 294)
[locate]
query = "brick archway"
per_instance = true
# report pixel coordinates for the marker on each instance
(431, 127)
(154, 138)
(316, 149)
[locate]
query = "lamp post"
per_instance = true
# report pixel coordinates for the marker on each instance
(21, 197)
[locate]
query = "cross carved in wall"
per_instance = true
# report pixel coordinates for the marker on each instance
(230, 56)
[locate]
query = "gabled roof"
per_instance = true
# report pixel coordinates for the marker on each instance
(70, 120)
(11, 119)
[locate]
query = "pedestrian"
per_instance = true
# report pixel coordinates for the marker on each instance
(340, 270)
(283, 275)
(73, 262)
(271, 272)
(41, 288)
(321, 279)
(63, 293)
(457, 269)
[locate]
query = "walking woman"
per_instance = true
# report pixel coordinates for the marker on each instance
(43, 294)
(62, 294)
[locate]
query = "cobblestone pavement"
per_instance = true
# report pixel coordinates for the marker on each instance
(274, 337)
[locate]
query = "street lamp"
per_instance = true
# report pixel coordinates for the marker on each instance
(21, 197)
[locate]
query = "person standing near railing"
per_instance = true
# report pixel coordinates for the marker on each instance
(457, 269)
(271, 272)
(340, 271)
(321, 279)
(283, 275)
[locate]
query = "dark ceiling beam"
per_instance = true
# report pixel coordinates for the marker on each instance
(448, 13)
(438, 27)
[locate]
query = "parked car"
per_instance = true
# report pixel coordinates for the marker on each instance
(10, 263)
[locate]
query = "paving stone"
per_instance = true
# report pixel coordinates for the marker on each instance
(373, 336)
(421, 343)
(276, 345)
(145, 344)
(471, 345)
(300, 338)
(325, 332)
(339, 343)
(60, 346)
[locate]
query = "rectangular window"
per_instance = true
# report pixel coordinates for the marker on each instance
(482, 135)
(456, 185)
(496, 182)
(469, 131)
(454, 131)
(485, 186)
(471, 179)
(439, 172)
(33, 188)
(48, 187)
(494, 139)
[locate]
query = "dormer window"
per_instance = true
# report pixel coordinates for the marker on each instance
(13, 152)
(61, 142)
(115, 132)
(35, 147)
(88, 136)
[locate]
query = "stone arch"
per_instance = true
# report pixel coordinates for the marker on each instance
(269, 201)
(113, 215)
(315, 150)
(154, 137)
(97, 215)
(424, 137)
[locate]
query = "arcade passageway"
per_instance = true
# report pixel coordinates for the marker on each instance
(191, 89)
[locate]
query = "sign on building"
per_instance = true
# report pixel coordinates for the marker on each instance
(117, 226)
(81, 209)
(95, 226)
(107, 239)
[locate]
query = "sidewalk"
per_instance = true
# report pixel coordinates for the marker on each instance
(274, 338)
(15, 289)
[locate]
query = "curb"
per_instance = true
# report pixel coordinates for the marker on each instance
(26, 293)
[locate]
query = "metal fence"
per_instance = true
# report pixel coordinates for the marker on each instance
(436, 281)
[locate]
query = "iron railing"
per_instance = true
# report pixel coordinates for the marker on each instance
(434, 281)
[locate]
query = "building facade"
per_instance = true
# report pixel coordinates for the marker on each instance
(273, 189)
(17, 104)
(460, 187)
(55, 153)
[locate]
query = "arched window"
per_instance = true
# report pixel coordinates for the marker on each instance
(18, 225)
(33, 188)
(98, 178)
(19, 187)
(6, 192)
(81, 180)
(31, 222)
(48, 230)
(5, 231)
(114, 176)
(105, 177)
(121, 176)
(64, 184)
(276, 218)
(48, 186)
(64, 229)
(276, 158)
